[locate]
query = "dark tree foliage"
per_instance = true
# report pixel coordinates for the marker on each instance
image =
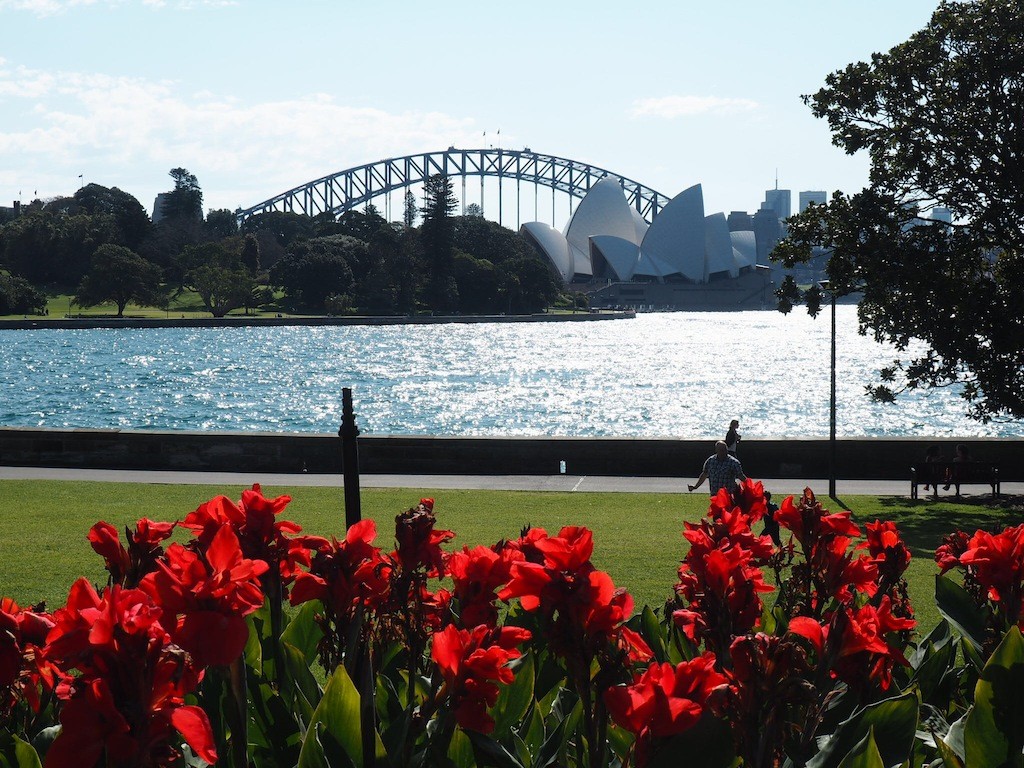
(361, 225)
(480, 285)
(221, 223)
(534, 285)
(223, 289)
(129, 215)
(437, 237)
(489, 240)
(939, 116)
(250, 256)
(19, 297)
(185, 201)
(409, 210)
(318, 268)
(119, 275)
(47, 247)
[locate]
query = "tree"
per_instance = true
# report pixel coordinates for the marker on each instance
(474, 210)
(222, 288)
(185, 201)
(939, 117)
(409, 210)
(437, 238)
(221, 223)
(18, 297)
(129, 214)
(119, 275)
(318, 268)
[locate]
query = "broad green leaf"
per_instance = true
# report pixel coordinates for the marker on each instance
(864, 754)
(960, 610)
(933, 668)
(551, 747)
(301, 688)
(653, 633)
(17, 753)
(303, 632)
(937, 639)
(894, 722)
(523, 754)
(337, 716)
(494, 752)
(994, 733)
(253, 647)
(460, 750)
(514, 699)
(534, 732)
(950, 759)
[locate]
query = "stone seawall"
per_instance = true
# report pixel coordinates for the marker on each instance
(254, 452)
(234, 321)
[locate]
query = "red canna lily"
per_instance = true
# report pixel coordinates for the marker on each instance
(476, 573)
(127, 566)
(207, 598)
(664, 700)
(126, 702)
(472, 663)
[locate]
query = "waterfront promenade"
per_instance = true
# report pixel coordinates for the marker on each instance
(558, 483)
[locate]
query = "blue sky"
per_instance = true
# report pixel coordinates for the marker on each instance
(257, 97)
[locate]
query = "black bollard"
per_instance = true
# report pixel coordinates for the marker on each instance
(348, 433)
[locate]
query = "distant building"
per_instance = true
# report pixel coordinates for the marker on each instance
(780, 201)
(767, 232)
(158, 206)
(942, 214)
(740, 221)
(818, 197)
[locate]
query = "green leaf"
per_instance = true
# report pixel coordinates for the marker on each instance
(864, 754)
(653, 633)
(894, 722)
(303, 632)
(515, 699)
(299, 686)
(490, 749)
(994, 733)
(17, 753)
(960, 610)
(534, 732)
(337, 717)
(253, 647)
(950, 759)
(932, 669)
(460, 750)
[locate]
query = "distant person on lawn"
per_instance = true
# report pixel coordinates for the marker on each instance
(732, 437)
(720, 470)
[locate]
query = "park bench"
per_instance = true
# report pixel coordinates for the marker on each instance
(955, 473)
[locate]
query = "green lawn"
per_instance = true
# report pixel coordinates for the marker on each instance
(187, 304)
(637, 536)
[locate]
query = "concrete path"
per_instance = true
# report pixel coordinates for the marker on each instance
(779, 487)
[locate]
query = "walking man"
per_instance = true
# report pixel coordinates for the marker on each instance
(720, 470)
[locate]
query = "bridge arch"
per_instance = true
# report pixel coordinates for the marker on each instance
(355, 187)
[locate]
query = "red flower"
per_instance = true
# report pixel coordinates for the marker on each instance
(664, 700)
(23, 668)
(948, 554)
(808, 521)
(476, 574)
(472, 662)
(998, 565)
(419, 545)
(127, 700)
(128, 566)
(261, 535)
(207, 598)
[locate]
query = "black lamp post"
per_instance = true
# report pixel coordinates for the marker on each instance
(824, 285)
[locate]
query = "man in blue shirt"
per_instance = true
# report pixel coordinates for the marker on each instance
(721, 470)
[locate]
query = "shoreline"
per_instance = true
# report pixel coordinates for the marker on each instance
(38, 324)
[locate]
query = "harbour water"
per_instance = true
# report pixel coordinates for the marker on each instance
(661, 375)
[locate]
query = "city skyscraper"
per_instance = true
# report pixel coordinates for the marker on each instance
(818, 197)
(780, 201)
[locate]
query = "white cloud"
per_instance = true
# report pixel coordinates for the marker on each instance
(685, 106)
(131, 131)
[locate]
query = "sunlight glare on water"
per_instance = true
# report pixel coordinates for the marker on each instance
(660, 375)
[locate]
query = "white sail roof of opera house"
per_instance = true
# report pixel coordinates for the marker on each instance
(602, 211)
(676, 236)
(718, 246)
(744, 248)
(554, 246)
(621, 256)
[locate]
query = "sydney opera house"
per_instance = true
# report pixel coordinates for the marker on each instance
(684, 259)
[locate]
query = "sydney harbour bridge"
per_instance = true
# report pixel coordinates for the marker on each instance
(354, 188)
